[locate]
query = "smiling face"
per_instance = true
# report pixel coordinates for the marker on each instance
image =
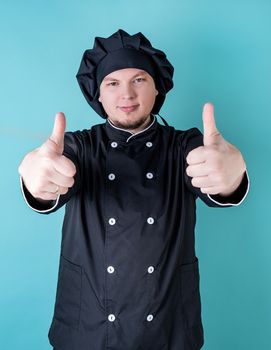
(129, 87)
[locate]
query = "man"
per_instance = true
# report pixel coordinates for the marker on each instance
(128, 273)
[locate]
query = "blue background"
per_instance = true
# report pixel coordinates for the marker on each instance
(221, 51)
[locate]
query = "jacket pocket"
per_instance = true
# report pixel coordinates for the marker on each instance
(68, 295)
(191, 303)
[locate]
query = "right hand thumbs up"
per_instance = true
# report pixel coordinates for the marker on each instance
(46, 172)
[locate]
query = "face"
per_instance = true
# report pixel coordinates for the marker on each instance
(129, 87)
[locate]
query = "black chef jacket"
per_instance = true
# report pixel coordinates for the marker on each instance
(128, 275)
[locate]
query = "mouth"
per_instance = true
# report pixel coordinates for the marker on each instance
(129, 108)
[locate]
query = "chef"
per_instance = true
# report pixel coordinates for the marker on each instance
(128, 275)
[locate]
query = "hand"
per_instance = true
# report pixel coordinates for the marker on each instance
(45, 171)
(217, 167)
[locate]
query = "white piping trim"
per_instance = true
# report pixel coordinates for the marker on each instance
(39, 211)
(234, 204)
(154, 118)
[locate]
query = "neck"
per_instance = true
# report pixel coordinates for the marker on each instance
(143, 126)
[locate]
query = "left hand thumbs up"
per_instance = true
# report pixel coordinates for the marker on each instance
(217, 167)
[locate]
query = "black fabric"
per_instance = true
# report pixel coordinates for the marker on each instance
(86, 292)
(124, 58)
(33, 202)
(122, 50)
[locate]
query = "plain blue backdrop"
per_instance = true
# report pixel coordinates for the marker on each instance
(221, 51)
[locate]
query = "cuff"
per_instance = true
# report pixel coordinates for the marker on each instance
(34, 204)
(237, 197)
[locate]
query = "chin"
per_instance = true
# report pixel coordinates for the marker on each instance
(128, 121)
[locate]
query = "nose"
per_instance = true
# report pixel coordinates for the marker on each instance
(127, 91)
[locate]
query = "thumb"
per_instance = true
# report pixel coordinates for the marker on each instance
(58, 133)
(210, 133)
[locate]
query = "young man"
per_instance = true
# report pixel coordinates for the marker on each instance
(128, 272)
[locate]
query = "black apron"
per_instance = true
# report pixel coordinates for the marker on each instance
(128, 273)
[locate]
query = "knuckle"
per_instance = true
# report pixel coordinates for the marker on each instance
(67, 181)
(72, 169)
(64, 190)
(70, 172)
(194, 181)
(71, 183)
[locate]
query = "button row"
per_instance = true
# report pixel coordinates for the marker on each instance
(113, 176)
(111, 269)
(112, 221)
(114, 144)
(112, 317)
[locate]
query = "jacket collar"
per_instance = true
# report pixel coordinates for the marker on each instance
(115, 133)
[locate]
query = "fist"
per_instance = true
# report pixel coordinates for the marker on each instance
(45, 171)
(217, 167)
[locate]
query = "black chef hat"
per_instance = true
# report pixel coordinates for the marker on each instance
(120, 51)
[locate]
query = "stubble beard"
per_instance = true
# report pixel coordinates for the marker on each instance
(132, 124)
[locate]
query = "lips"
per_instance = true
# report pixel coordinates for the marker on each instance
(128, 108)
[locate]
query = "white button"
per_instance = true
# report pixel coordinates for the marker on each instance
(149, 175)
(150, 269)
(111, 176)
(150, 220)
(114, 144)
(111, 317)
(149, 144)
(150, 317)
(110, 269)
(112, 221)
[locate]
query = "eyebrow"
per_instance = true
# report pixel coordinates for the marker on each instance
(111, 78)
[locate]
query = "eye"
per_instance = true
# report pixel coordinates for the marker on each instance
(140, 79)
(111, 84)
